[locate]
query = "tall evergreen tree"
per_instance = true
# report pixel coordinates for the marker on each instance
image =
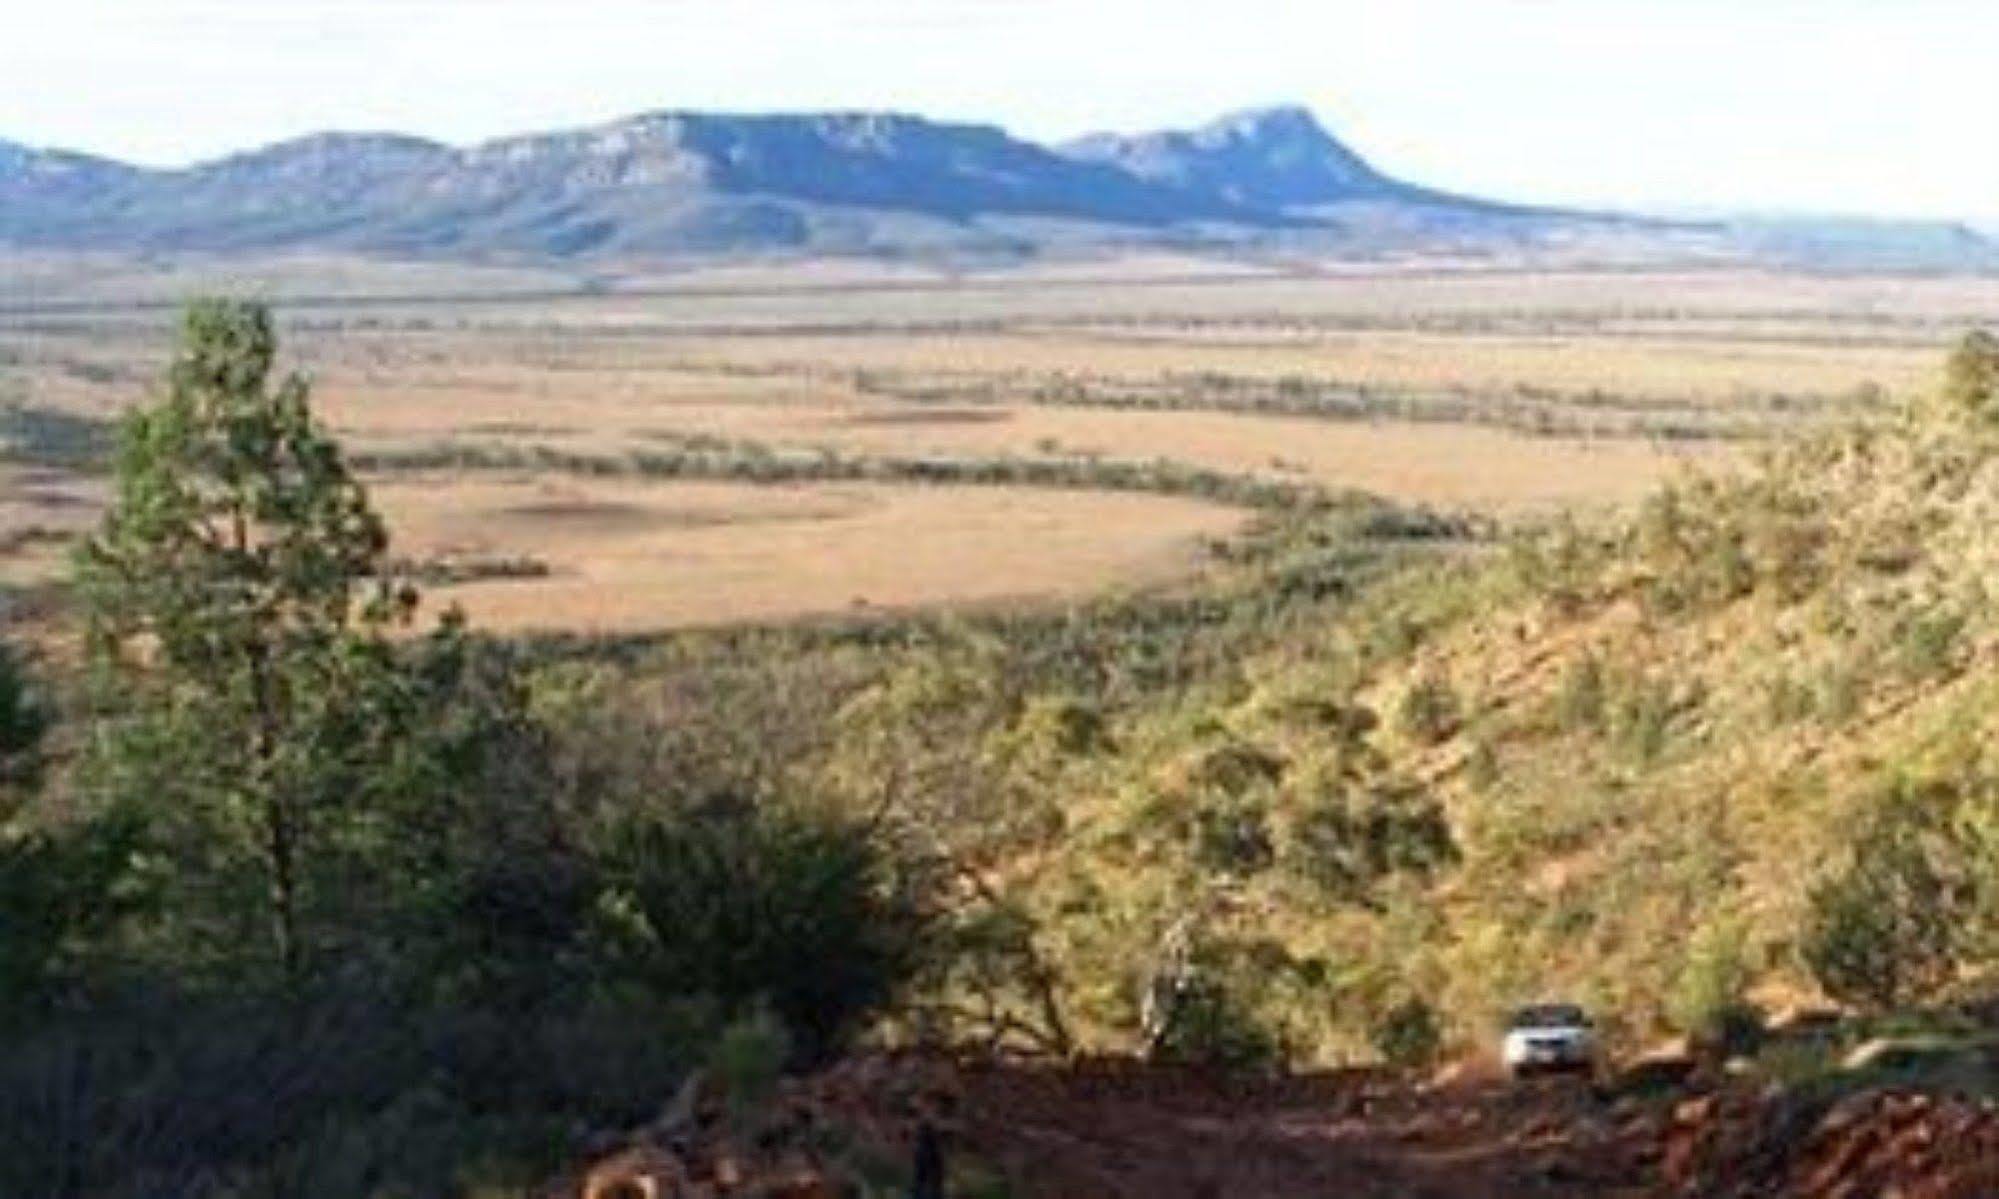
(240, 611)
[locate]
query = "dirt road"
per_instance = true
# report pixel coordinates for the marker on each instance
(1125, 1130)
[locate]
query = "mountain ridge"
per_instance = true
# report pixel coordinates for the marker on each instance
(680, 182)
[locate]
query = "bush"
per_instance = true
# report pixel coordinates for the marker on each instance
(1706, 1002)
(62, 893)
(1233, 837)
(1787, 701)
(1971, 377)
(1354, 836)
(1644, 719)
(1886, 930)
(749, 1057)
(1928, 642)
(156, 1095)
(1429, 711)
(1212, 1027)
(1737, 1030)
(24, 718)
(1580, 705)
(1482, 770)
(1839, 693)
(750, 906)
(1408, 1035)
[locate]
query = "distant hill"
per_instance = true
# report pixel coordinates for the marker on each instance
(1862, 243)
(1277, 159)
(1274, 159)
(689, 183)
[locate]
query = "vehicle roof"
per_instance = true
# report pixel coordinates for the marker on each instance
(1549, 1015)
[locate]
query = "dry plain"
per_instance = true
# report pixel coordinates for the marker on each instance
(1509, 394)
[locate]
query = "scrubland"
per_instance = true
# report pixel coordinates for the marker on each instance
(1244, 673)
(1502, 395)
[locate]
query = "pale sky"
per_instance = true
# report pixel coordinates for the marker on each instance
(1877, 106)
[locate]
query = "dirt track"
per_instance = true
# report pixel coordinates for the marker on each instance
(1112, 1130)
(1123, 1131)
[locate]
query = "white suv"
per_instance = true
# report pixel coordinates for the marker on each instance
(1548, 1037)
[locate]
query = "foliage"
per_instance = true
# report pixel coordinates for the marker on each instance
(63, 892)
(24, 719)
(1889, 928)
(60, 889)
(1204, 1011)
(1168, 821)
(1428, 713)
(154, 1093)
(1583, 699)
(1408, 1035)
(1708, 1002)
(325, 908)
(716, 458)
(749, 1056)
(760, 906)
(1352, 837)
(239, 621)
(1971, 376)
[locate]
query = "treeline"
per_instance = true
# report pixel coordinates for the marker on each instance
(695, 457)
(1533, 409)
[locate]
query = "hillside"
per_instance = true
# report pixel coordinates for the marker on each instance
(1669, 765)
(1276, 159)
(675, 184)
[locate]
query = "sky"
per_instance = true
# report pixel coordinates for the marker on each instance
(1852, 106)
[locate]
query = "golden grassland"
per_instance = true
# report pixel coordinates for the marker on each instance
(628, 556)
(1717, 371)
(901, 362)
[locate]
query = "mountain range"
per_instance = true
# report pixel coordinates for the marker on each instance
(672, 184)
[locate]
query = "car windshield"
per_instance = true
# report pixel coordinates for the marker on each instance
(1549, 1015)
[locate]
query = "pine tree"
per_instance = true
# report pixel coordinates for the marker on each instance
(240, 614)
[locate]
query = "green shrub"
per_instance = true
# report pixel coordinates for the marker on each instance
(350, 1093)
(1644, 718)
(1737, 1030)
(1971, 377)
(1886, 930)
(1482, 770)
(1839, 693)
(752, 906)
(1581, 703)
(1429, 711)
(748, 1058)
(1408, 1035)
(1355, 835)
(1213, 1027)
(1787, 701)
(24, 718)
(1232, 836)
(1707, 997)
(1926, 643)
(64, 892)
